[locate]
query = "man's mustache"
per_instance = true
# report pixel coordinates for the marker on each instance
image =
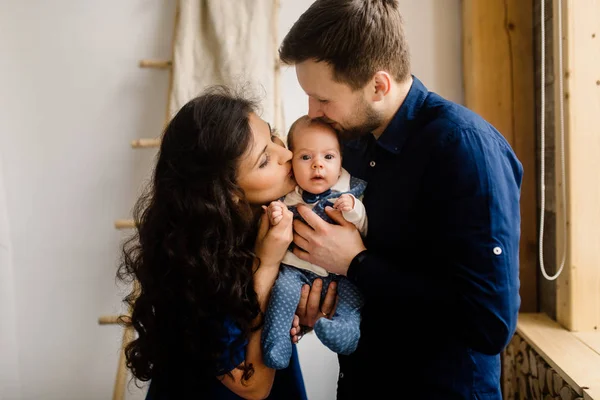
(325, 120)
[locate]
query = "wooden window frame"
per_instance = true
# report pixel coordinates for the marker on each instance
(498, 65)
(578, 286)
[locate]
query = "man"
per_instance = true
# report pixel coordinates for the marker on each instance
(441, 259)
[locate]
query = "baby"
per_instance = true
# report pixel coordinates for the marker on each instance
(321, 181)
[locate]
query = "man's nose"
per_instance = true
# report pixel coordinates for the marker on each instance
(314, 108)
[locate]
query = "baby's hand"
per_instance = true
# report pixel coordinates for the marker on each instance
(344, 203)
(275, 212)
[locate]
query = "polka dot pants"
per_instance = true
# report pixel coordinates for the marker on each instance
(340, 333)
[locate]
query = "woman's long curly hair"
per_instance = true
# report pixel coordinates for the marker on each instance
(191, 257)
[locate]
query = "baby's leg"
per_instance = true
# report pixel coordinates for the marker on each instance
(341, 333)
(275, 339)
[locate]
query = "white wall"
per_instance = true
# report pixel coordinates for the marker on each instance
(9, 375)
(71, 99)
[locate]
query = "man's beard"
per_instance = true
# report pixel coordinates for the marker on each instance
(371, 121)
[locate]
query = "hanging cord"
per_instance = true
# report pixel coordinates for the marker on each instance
(559, 73)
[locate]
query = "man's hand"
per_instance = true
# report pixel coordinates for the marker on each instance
(310, 308)
(330, 246)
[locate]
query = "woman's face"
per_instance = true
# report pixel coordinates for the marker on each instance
(265, 170)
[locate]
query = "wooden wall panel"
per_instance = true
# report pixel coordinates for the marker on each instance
(578, 287)
(499, 85)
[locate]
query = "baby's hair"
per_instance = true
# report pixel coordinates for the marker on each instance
(306, 119)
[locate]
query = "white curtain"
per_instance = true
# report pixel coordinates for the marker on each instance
(9, 367)
(226, 42)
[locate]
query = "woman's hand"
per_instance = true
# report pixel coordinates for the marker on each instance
(273, 241)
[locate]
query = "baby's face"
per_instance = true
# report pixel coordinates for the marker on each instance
(317, 162)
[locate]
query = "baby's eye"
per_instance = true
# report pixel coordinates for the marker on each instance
(305, 157)
(329, 157)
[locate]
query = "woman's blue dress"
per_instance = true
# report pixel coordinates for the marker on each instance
(288, 384)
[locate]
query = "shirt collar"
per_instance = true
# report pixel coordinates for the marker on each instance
(395, 134)
(342, 185)
(311, 198)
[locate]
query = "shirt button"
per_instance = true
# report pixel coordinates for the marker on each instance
(372, 163)
(497, 251)
(341, 375)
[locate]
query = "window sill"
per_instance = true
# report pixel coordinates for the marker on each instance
(575, 356)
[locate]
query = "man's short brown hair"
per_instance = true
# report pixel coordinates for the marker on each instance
(356, 37)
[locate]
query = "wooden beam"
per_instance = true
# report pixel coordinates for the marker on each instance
(158, 64)
(498, 76)
(108, 320)
(124, 224)
(145, 143)
(171, 113)
(578, 287)
(122, 370)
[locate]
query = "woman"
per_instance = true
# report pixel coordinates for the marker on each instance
(205, 257)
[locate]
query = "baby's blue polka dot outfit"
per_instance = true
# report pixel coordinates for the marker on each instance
(340, 333)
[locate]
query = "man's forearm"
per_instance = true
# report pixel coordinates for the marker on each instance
(483, 319)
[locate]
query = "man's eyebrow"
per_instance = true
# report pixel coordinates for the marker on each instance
(315, 95)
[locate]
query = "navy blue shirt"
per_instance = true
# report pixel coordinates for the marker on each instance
(443, 254)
